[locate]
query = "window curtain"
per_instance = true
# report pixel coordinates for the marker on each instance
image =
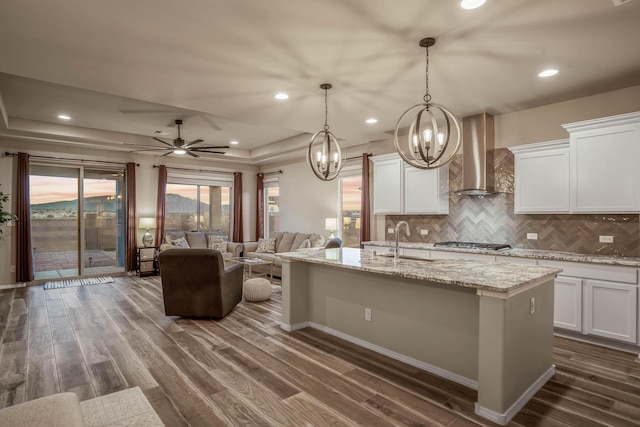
(260, 207)
(365, 208)
(132, 230)
(24, 257)
(161, 200)
(237, 208)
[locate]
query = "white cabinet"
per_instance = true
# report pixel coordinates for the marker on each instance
(611, 310)
(567, 309)
(541, 177)
(426, 190)
(605, 177)
(387, 184)
(402, 189)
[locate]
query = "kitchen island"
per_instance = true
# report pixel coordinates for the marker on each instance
(486, 326)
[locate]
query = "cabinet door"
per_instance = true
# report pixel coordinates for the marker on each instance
(604, 165)
(567, 307)
(387, 186)
(424, 192)
(542, 182)
(611, 310)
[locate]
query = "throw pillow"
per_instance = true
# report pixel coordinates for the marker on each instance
(320, 242)
(306, 244)
(267, 245)
(217, 243)
(180, 242)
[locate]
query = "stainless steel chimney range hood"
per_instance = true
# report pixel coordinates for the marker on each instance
(477, 156)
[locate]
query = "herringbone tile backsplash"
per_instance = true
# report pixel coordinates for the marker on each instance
(491, 220)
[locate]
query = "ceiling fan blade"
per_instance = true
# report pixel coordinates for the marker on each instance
(147, 149)
(167, 153)
(216, 147)
(191, 153)
(164, 142)
(207, 151)
(194, 142)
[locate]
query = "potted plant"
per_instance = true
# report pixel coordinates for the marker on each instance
(5, 216)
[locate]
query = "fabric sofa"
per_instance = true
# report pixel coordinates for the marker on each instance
(285, 242)
(200, 240)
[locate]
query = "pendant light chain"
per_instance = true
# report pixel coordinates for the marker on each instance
(427, 95)
(326, 111)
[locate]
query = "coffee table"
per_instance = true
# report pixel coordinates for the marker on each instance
(250, 262)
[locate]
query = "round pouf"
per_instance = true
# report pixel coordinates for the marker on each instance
(256, 289)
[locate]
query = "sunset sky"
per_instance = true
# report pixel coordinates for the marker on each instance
(46, 189)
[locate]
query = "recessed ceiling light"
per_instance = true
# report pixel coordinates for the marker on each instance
(471, 4)
(548, 72)
(371, 121)
(234, 142)
(281, 96)
(64, 117)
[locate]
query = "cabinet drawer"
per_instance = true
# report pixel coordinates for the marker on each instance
(614, 273)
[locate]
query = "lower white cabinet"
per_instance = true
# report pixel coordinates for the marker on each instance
(567, 310)
(611, 310)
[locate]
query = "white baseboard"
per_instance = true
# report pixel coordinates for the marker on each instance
(506, 417)
(397, 356)
(291, 328)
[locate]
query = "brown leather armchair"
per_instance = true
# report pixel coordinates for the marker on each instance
(195, 283)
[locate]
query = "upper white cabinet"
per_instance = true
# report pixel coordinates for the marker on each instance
(402, 189)
(604, 164)
(542, 177)
(387, 184)
(595, 172)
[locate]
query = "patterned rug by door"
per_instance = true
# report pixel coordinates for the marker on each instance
(78, 282)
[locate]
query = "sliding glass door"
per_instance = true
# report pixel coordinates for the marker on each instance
(77, 221)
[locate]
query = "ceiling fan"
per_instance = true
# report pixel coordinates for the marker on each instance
(180, 146)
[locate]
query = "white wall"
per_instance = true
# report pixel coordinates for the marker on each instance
(305, 200)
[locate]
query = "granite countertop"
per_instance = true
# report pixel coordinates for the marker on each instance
(521, 253)
(497, 277)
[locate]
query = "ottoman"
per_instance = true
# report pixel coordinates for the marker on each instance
(256, 289)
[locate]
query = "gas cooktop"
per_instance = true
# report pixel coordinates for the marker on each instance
(470, 245)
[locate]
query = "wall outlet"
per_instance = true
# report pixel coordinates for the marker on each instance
(367, 314)
(424, 232)
(391, 230)
(532, 305)
(532, 236)
(13, 269)
(606, 239)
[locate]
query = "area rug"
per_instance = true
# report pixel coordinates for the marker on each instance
(78, 282)
(127, 407)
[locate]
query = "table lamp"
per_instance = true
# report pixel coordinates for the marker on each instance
(331, 224)
(147, 222)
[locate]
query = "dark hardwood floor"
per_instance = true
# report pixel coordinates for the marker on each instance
(244, 369)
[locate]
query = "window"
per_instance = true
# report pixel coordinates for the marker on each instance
(201, 206)
(272, 206)
(350, 205)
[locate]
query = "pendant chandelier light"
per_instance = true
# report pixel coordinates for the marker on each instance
(434, 132)
(324, 155)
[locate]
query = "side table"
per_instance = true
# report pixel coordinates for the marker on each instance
(147, 260)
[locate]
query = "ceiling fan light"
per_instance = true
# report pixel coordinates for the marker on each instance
(471, 4)
(179, 151)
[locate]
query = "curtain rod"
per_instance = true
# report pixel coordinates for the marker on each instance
(6, 153)
(195, 170)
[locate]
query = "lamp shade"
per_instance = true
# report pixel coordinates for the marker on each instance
(331, 224)
(147, 222)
